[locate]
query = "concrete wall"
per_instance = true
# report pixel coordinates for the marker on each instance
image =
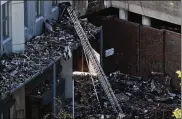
(162, 10)
(17, 26)
(34, 25)
(1, 49)
(91, 68)
(67, 75)
(6, 45)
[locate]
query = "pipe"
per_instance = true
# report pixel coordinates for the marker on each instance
(73, 100)
(54, 90)
(101, 47)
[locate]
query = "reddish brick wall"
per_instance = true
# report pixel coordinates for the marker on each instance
(140, 49)
(151, 50)
(172, 55)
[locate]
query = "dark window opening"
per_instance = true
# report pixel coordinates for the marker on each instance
(96, 17)
(159, 24)
(25, 14)
(5, 20)
(38, 8)
(133, 17)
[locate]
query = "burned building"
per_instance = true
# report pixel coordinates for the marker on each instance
(41, 46)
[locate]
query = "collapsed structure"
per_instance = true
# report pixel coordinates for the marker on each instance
(58, 41)
(40, 54)
(139, 98)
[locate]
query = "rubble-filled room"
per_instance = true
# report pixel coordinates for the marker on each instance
(94, 65)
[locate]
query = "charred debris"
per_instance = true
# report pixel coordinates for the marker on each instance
(140, 99)
(58, 40)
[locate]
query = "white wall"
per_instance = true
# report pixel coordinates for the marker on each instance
(17, 26)
(146, 21)
(90, 65)
(123, 14)
(107, 3)
(66, 73)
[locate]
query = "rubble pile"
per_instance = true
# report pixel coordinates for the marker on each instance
(45, 86)
(139, 99)
(64, 109)
(86, 103)
(17, 68)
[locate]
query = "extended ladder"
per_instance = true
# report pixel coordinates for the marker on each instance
(96, 65)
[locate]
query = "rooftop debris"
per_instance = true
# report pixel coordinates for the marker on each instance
(64, 110)
(17, 68)
(45, 86)
(139, 99)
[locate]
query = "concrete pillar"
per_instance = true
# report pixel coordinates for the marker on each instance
(17, 111)
(17, 21)
(146, 21)
(107, 3)
(66, 73)
(123, 14)
(86, 3)
(90, 65)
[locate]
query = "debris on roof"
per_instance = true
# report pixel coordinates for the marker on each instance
(17, 68)
(139, 99)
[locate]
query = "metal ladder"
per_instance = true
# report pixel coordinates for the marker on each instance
(96, 65)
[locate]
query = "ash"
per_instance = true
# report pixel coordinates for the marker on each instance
(59, 40)
(139, 99)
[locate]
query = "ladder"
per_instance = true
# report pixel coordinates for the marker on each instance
(93, 60)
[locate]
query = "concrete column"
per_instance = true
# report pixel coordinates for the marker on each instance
(107, 3)
(66, 73)
(146, 21)
(1, 42)
(17, 26)
(90, 65)
(86, 3)
(123, 14)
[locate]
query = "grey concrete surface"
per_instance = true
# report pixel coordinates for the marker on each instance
(67, 75)
(169, 11)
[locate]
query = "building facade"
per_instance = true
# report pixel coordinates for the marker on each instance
(21, 20)
(169, 11)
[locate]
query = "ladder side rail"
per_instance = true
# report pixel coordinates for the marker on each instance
(82, 36)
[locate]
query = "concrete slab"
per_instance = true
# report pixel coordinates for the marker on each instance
(169, 11)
